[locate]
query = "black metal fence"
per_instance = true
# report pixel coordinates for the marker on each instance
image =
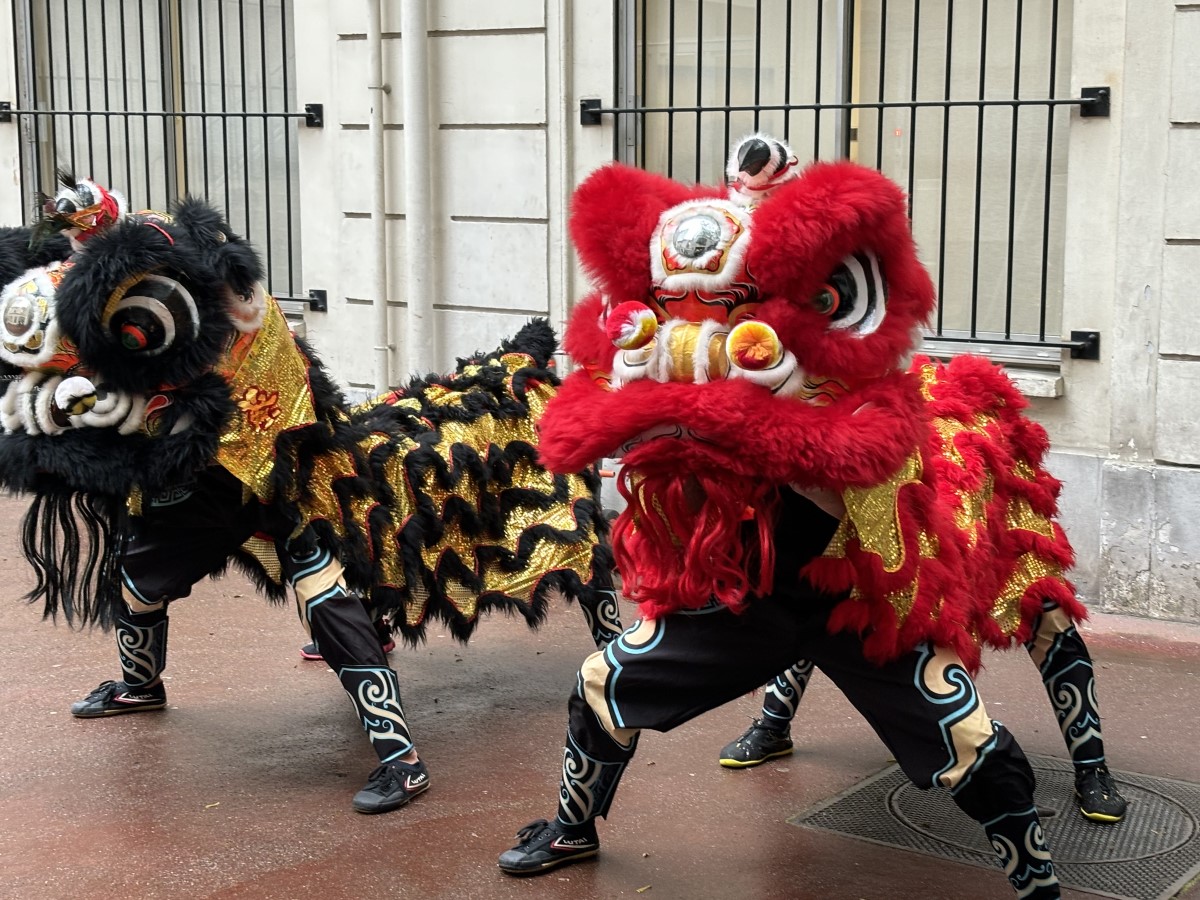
(162, 98)
(964, 104)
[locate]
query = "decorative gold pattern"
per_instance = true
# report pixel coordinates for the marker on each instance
(1006, 610)
(875, 516)
(260, 407)
(902, 601)
(264, 551)
(1021, 516)
(453, 542)
(257, 367)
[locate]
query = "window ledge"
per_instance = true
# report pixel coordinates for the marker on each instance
(1037, 382)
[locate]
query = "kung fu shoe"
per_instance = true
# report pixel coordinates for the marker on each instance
(391, 786)
(1099, 799)
(112, 698)
(546, 845)
(756, 746)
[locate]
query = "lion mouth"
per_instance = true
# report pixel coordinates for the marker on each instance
(662, 432)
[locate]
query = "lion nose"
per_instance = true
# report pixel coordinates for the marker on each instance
(695, 352)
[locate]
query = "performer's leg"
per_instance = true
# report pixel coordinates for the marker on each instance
(343, 630)
(658, 674)
(925, 708)
(769, 735)
(141, 632)
(602, 613)
(185, 534)
(1062, 658)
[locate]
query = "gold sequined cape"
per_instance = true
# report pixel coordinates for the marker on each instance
(433, 496)
(960, 546)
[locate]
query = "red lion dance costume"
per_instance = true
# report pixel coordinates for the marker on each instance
(798, 486)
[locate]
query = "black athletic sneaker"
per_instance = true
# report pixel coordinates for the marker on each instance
(756, 746)
(112, 698)
(546, 845)
(391, 786)
(1099, 799)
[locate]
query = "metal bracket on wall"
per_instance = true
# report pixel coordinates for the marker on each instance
(5, 115)
(1099, 102)
(314, 115)
(589, 112)
(318, 301)
(1085, 345)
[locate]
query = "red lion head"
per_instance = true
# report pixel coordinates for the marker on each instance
(759, 335)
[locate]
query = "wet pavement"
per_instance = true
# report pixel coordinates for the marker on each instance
(241, 788)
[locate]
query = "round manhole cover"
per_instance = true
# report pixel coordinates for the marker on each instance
(1155, 824)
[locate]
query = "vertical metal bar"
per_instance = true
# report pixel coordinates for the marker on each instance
(699, 83)
(728, 65)
(671, 91)
(164, 57)
(945, 161)
(787, 70)
(912, 113)
(880, 89)
(224, 101)
(625, 128)
(1012, 171)
(245, 121)
(200, 54)
(287, 147)
(179, 97)
(149, 198)
(641, 95)
(618, 60)
(125, 79)
(269, 240)
(980, 114)
(70, 58)
(174, 133)
(108, 178)
(843, 73)
(87, 100)
(1050, 112)
(820, 34)
(757, 60)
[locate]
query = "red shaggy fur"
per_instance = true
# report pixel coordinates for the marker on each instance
(701, 507)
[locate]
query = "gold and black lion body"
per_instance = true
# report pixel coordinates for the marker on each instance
(136, 350)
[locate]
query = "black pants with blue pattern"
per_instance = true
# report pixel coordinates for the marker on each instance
(190, 533)
(924, 706)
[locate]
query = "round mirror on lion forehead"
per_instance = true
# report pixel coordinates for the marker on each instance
(28, 335)
(696, 259)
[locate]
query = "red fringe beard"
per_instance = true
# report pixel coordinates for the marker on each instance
(686, 538)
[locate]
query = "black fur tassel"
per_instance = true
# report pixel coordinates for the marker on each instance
(72, 540)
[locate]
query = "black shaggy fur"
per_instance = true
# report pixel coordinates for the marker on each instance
(81, 477)
(112, 258)
(19, 252)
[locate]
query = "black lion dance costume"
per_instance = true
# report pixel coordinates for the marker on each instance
(166, 422)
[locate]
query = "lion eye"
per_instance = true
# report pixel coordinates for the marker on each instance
(827, 300)
(857, 300)
(149, 313)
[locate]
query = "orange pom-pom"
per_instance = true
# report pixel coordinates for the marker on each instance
(753, 345)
